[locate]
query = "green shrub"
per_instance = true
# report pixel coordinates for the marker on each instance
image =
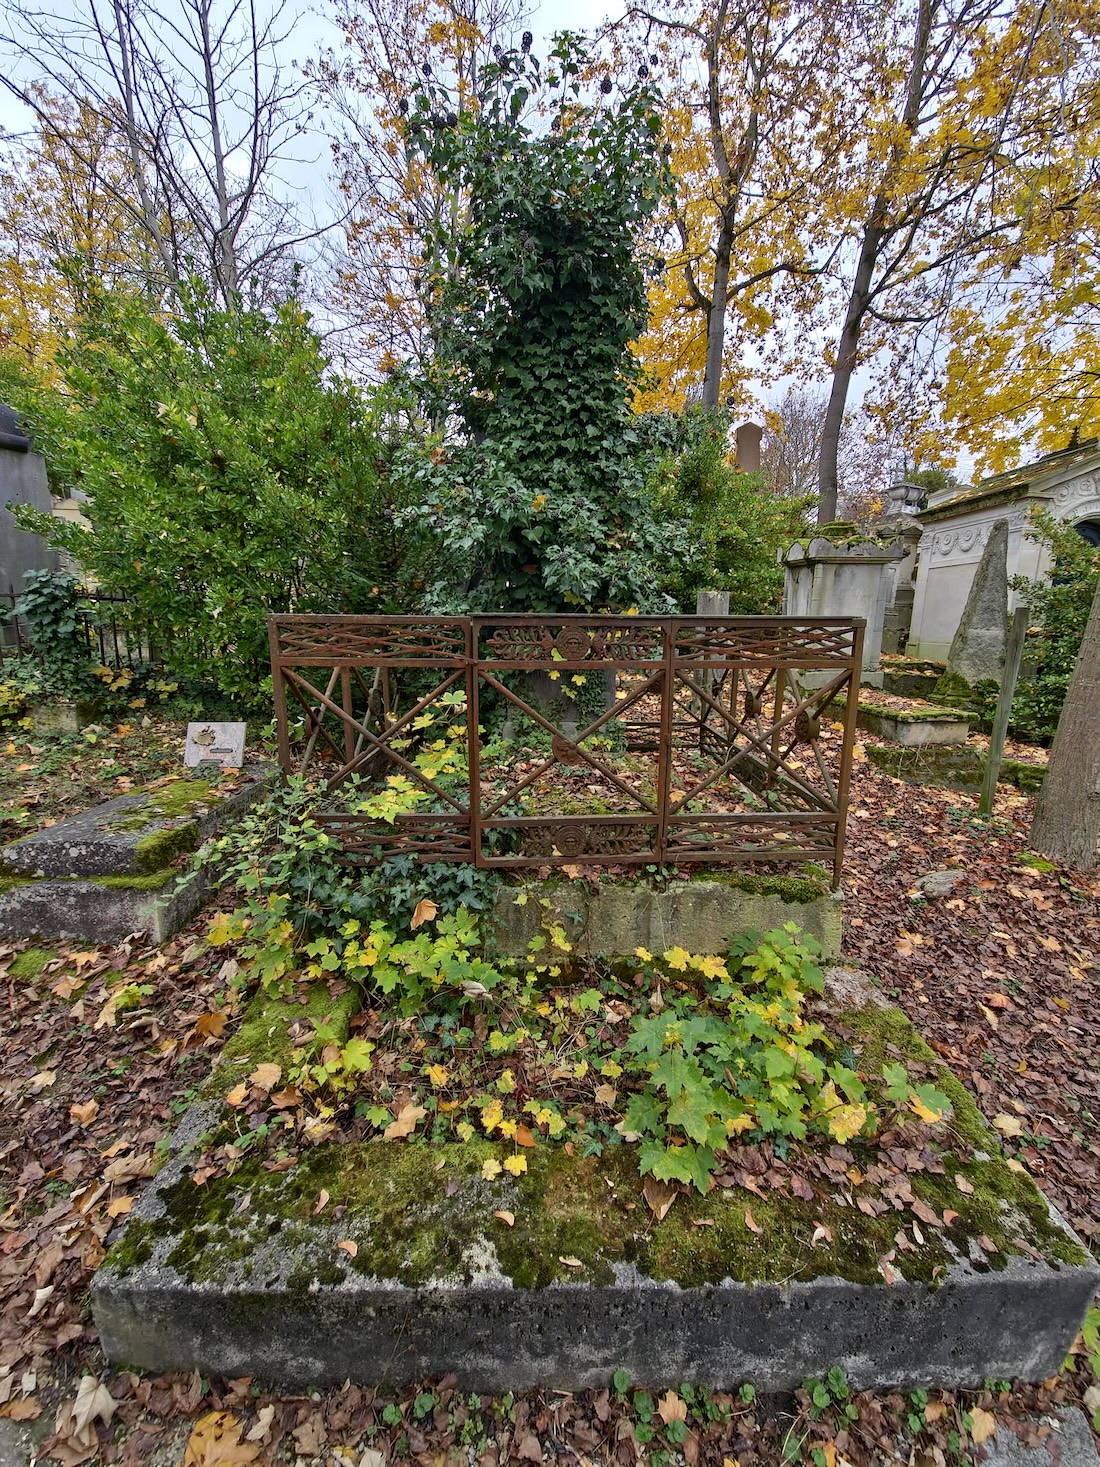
(536, 289)
(1061, 607)
(228, 474)
(736, 522)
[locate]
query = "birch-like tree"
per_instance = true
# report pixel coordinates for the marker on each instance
(393, 198)
(212, 116)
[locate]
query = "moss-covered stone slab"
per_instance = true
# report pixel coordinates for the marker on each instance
(915, 729)
(103, 909)
(416, 1264)
(908, 683)
(106, 873)
(952, 767)
(703, 915)
(133, 835)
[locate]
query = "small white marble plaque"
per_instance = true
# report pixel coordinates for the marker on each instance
(217, 743)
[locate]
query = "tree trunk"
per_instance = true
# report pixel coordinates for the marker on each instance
(1067, 816)
(876, 233)
(716, 317)
(847, 355)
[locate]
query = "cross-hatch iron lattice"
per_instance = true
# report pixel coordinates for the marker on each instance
(605, 740)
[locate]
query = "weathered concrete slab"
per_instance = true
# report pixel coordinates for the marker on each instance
(102, 911)
(134, 834)
(916, 730)
(108, 872)
(1070, 1444)
(256, 1284)
(704, 916)
(957, 766)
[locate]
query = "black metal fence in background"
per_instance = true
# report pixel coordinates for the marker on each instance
(103, 629)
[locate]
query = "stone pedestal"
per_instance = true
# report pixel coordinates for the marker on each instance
(849, 578)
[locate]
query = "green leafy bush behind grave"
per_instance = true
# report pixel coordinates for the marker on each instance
(1061, 607)
(737, 522)
(228, 474)
(536, 288)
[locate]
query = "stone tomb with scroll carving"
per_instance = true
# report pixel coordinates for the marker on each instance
(958, 521)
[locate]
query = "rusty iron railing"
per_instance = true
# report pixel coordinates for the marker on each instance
(701, 739)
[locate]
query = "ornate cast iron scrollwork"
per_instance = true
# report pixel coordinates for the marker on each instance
(724, 784)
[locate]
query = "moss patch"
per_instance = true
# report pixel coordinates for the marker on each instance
(1006, 1201)
(181, 796)
(162, 846)
(1026, 777)
(952, 767)
(150, 881)
(419, 1212)
(914, 715)
(263, 1034)
(10, 882)
(170, 803)
(29, 964)
(811, 886)
(951, 688)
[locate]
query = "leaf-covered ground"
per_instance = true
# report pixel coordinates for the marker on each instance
(999, 973)
(44, 779)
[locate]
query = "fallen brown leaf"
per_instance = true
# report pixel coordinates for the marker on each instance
(424, 911)
(404, 1124)
(659, 1196)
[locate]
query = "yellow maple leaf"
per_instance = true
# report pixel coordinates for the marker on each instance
(842, 1121)
(216, 1441)
(492, 1115)
(438, 1075)
(677, 958)
(490, 1169)
(925, 1112)
(711, 967)
(515, 1164)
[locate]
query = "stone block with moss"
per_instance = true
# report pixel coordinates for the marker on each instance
(109, 871)
(703, 915)
(417, 1263)
(132, 835)
(961, 767)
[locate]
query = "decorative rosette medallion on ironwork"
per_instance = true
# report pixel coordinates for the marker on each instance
(573, 644)
(570, 840)
(565, 750)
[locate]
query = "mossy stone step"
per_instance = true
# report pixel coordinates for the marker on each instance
(133, 835)
(108, 872)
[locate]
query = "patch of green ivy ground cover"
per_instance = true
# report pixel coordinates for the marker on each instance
(433, 1151)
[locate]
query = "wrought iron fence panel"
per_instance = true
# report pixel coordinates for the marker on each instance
(105, 631)
(613, 741)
